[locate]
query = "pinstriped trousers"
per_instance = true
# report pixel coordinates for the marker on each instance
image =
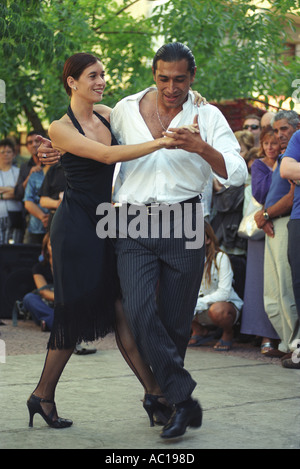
(160, 281)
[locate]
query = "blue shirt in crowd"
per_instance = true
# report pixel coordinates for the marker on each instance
(32, 194)
(293, 151)
(279, 186)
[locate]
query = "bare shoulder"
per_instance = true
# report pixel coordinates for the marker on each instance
(58, 125)
(103, 110)
(61, 132)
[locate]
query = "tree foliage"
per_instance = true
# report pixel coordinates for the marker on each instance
(239, 49)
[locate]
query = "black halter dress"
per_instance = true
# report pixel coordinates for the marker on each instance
(84, 267)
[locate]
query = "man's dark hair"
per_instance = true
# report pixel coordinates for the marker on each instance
(174, 52)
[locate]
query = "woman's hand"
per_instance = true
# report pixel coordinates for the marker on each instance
(46, 153)
(199, 99)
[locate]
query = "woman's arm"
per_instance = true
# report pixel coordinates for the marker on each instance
(66, 138)
(40, 282)
(260, 181)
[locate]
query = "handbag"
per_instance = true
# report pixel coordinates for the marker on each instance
(248, 228)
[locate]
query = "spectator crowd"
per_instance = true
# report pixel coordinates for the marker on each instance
(249, 288)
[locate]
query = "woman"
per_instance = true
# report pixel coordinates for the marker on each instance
(11, 211)
(85, 282)
(254, 318)
(40, 302)
(218, 304)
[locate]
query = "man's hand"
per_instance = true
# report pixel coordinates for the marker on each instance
(46, 154)
(45, 220)
(265, 225)
(193, 143)
(269, 229)
(188, 135)
(259, 219)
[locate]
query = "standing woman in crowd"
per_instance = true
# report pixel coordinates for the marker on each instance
(85, 282)
(254, 318)
(11, 211)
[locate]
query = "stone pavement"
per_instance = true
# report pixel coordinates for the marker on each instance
(247, 404)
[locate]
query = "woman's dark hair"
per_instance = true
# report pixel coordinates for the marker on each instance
(75, 65)
(174, 52)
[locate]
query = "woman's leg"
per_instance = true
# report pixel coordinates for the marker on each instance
(55, 363)
(224, 315)
(128, 349)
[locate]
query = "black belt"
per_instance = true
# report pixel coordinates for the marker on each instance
(193, 200)
(153, 206)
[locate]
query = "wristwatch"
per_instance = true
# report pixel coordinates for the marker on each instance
(266, 215)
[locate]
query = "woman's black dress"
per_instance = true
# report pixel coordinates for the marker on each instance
(85, 280)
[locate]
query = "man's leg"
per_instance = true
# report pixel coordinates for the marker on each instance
(180, 280)
(278, 292)
(139, 268)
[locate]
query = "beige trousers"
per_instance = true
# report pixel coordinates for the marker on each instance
(279, 298)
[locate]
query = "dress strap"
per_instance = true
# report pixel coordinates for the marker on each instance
(78, 126)
(103, 120)
(74, 120)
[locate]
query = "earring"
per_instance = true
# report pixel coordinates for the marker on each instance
(75, 88)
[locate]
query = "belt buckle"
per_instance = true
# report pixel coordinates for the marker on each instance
(150, 207)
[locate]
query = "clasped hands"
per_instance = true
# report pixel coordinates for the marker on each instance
(186, 137)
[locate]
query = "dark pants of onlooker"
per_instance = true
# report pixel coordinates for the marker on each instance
(294, 258)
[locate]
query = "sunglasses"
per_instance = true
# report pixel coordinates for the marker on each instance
(252, 126)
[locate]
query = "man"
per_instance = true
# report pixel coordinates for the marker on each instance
(252, 124)
(266, 119)
(279, 299)
(38, 216)
(290, 168)
(162, 329)
(31, 166)
(160, 278)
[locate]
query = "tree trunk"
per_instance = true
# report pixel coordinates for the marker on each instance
(34, 119)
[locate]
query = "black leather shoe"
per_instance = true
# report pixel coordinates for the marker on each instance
(182, 418)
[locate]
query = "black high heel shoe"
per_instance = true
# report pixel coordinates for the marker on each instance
(34, 407)
(157, 411)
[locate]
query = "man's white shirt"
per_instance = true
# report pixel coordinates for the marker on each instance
(172, 176)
